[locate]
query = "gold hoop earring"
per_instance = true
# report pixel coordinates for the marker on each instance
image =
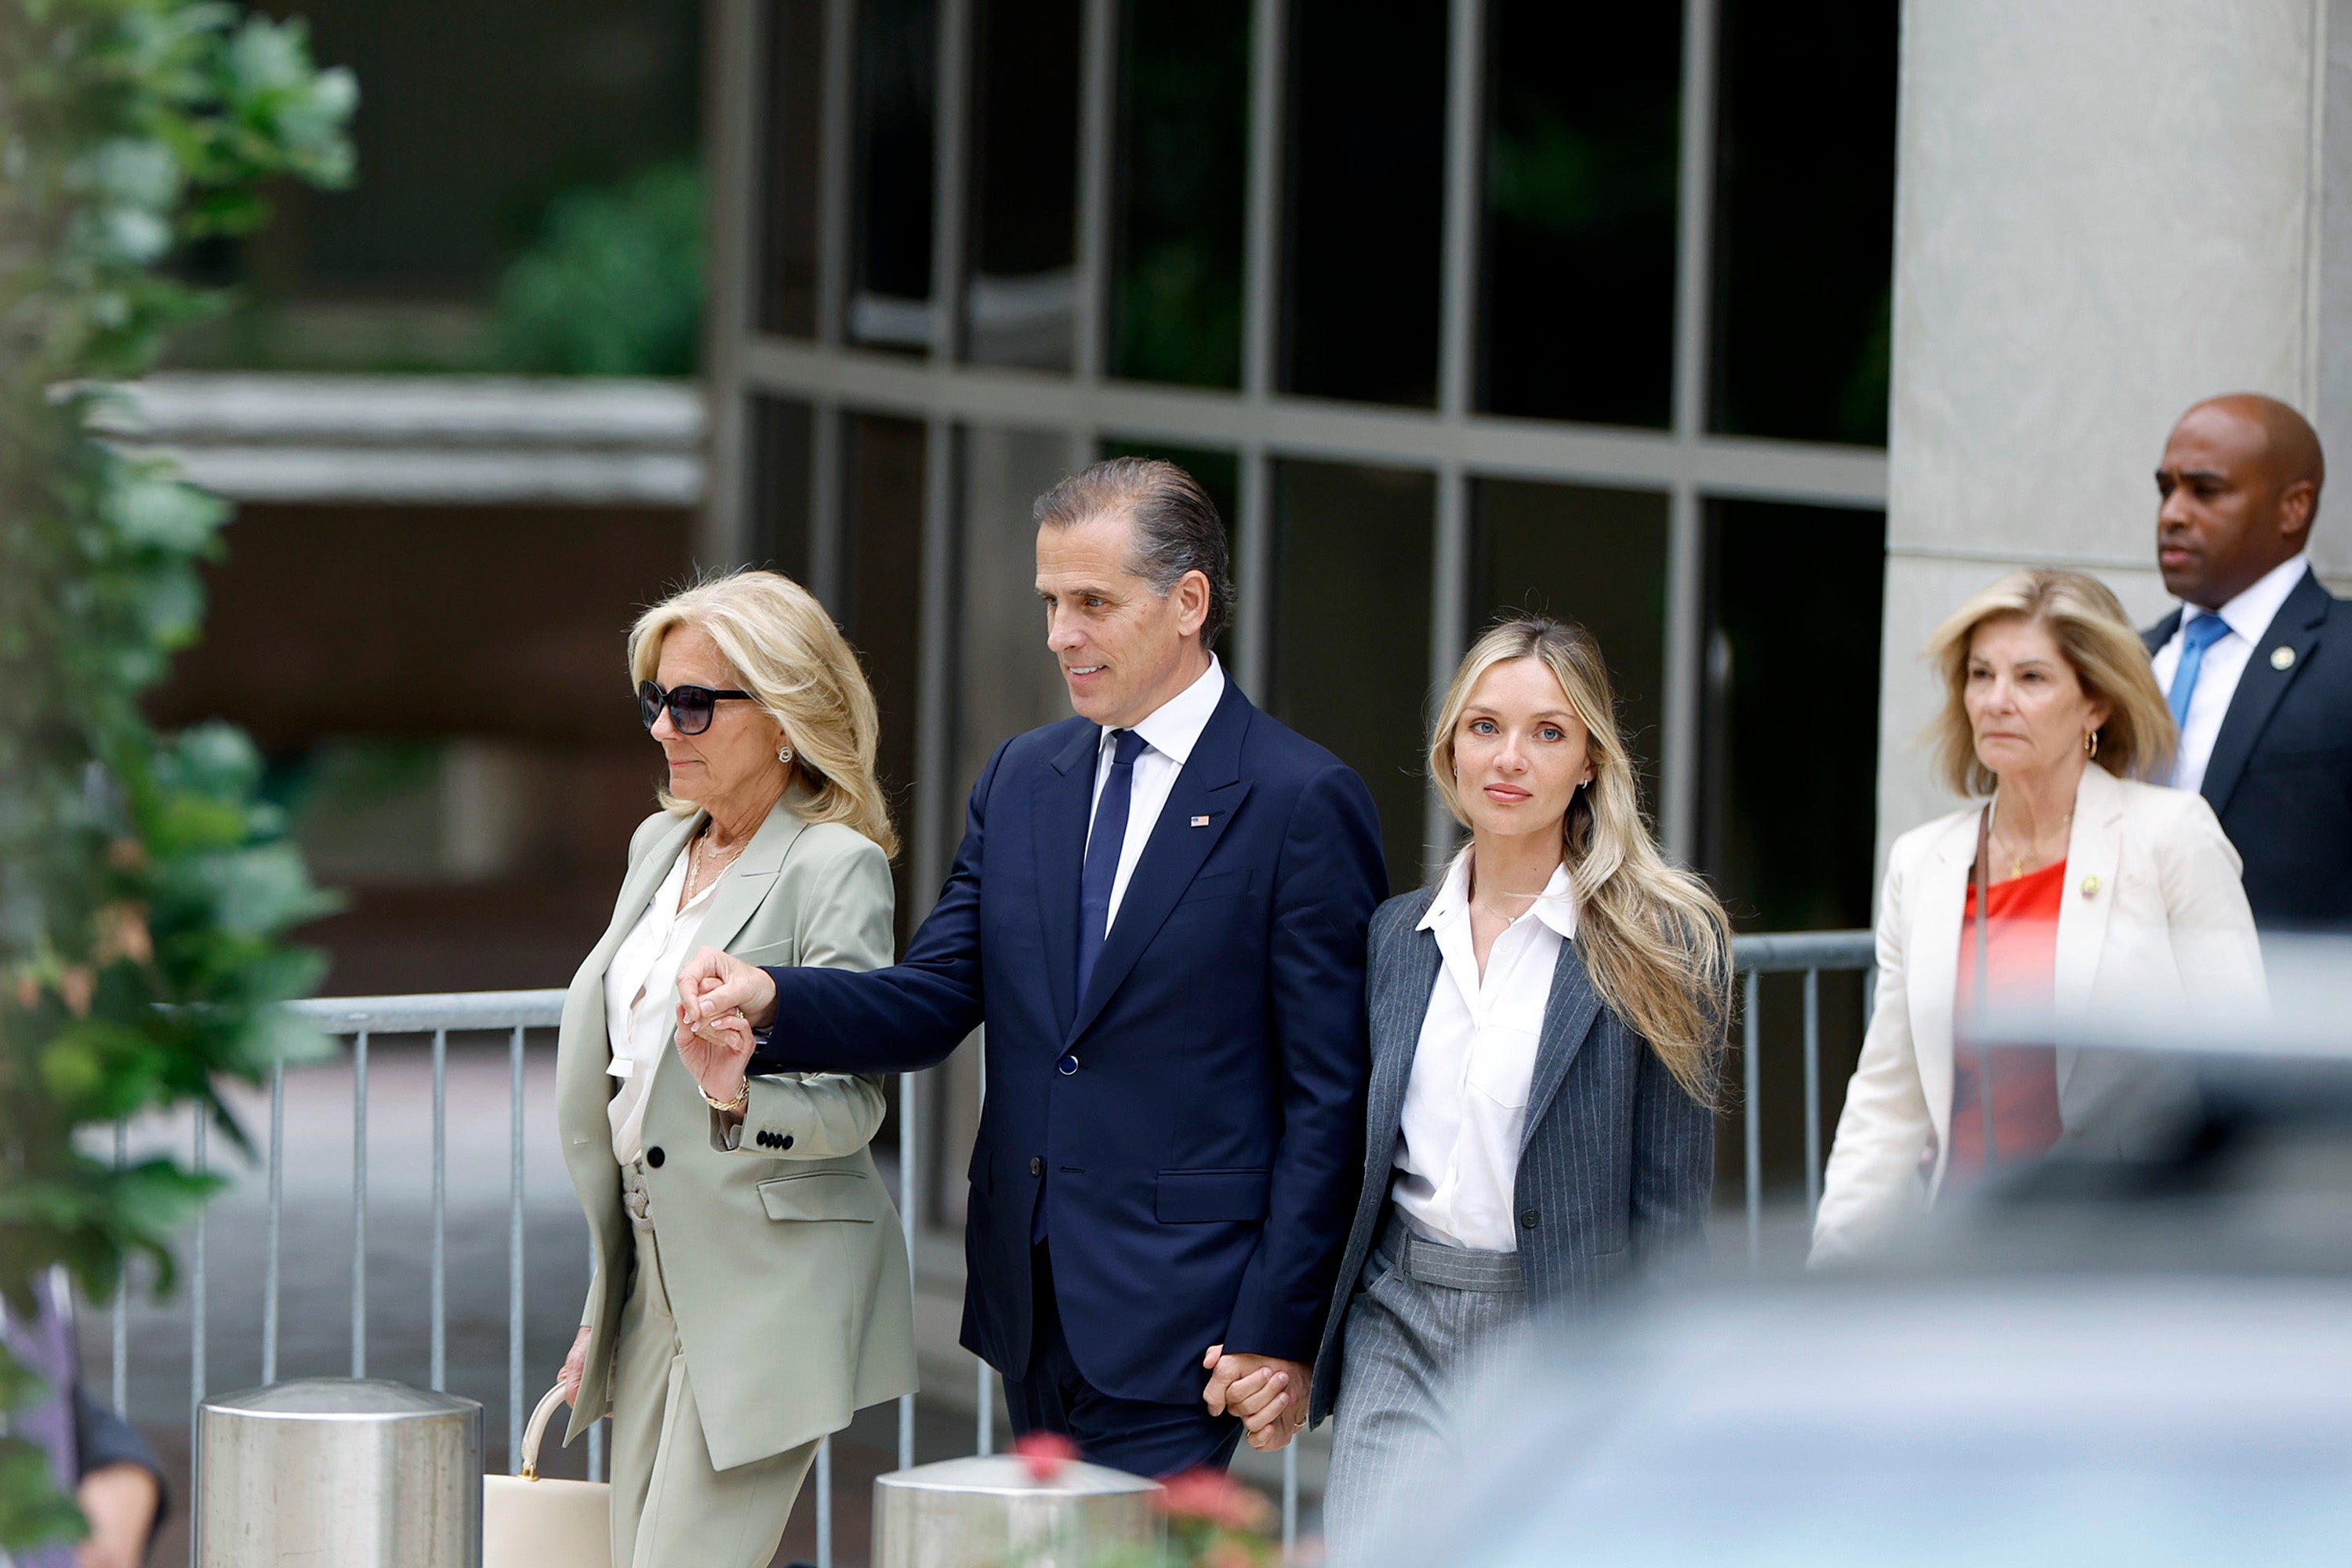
(2090, 742)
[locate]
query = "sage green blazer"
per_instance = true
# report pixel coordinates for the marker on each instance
(785, 1265)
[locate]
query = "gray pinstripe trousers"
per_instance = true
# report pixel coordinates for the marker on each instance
(1425, 1319)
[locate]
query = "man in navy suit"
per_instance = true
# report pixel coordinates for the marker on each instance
(1158, 911)
(2257, 662)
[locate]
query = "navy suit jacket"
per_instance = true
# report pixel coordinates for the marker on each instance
(1196, 1122)
(2280, 774)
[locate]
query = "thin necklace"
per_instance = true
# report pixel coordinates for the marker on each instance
(698, 858)
(2032, 850)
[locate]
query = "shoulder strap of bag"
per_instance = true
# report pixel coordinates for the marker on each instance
(1982, 988)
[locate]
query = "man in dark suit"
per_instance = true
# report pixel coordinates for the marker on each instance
(1158, 911)
(2257, 663)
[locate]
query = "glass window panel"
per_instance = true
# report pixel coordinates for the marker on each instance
(897, 87)
(1805, 232)
(786, 286)
(779, 502)
(1182, 172)
(1789, 829)
(1590, 556)
(1220, 474)
(1007, 682)
(1578, 297)
(1366, 199)
(1350, 665)
(883, 589)
(1024, 181)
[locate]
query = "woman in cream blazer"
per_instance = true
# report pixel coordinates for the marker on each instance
(2048, 688)
(751, 1289)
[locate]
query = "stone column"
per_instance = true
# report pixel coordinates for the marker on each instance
(2105, 210)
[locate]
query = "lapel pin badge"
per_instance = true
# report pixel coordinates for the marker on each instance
(2282, 657)
(2090, 887)
(1200, 822)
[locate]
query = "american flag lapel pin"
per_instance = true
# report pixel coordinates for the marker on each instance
(1200, 822)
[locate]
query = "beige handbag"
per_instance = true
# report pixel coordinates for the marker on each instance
(527, 1522)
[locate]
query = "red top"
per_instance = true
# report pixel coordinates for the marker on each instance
(2021, 969)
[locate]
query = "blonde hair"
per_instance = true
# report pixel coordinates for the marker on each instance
(2088, 622)
(1654, 938)
(787, 653)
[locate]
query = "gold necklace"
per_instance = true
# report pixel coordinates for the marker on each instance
(698, 860)
(2032, 850)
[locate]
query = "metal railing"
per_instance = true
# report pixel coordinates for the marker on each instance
(366, 1018)
(1812, 953)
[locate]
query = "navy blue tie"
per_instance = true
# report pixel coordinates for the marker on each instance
(1103, 846)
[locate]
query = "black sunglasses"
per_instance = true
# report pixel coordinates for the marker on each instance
(690, 706)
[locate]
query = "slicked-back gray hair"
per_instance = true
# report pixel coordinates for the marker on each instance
(1177, 529)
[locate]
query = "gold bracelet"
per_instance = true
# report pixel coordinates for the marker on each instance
(734, 1107)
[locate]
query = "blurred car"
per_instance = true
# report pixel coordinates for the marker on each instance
(2146, 1363)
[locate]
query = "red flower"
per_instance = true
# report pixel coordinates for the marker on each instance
(1046, 1454)
(1215, 1497)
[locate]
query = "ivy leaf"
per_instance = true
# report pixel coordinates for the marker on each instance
(154, 510)
(33, 1512)
(259, 891)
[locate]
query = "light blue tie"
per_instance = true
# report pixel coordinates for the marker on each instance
(2195, 638)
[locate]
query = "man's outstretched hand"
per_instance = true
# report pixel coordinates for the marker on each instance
(1268, 1394)
(712, 984)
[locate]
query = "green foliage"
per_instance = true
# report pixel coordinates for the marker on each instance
(612, 285)
(144, 887)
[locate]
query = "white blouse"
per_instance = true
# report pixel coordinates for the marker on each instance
(1465, 1105)
(641, 1002)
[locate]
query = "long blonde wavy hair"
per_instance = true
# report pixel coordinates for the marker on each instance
(1653, 937)
(787, 653)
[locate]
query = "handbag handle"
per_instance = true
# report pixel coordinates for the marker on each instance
(537, 1430)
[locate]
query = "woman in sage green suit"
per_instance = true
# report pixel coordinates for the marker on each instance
(751, 1289)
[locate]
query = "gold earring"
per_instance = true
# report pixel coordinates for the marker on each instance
(2090, 742)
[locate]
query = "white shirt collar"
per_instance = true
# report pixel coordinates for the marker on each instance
(1174, 727)
(2249, 614)
(1556, 908)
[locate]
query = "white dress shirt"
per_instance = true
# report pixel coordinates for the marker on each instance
(641, 1000)
(1465, 1105)
(1170, 734)
(2248, 618)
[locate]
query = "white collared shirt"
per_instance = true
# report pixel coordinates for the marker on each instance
(1465, 1105)
(641, 1000)
(1170, 734)
(2248, 618)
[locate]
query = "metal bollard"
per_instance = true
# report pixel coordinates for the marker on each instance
(332, 1473)
(988, 1511)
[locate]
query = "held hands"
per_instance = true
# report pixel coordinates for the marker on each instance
(720, 1000)
(717, 1051)
(1267, 1393)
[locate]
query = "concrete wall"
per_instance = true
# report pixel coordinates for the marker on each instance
(2105, 210)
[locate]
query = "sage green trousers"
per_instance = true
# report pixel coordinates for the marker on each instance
(670, 1508)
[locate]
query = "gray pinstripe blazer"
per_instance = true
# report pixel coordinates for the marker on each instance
(1616, 1165)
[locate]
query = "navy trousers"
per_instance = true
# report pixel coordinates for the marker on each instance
(1133, 1434)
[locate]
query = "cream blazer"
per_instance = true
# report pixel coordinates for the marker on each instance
(784, 1258)
(2153, 917)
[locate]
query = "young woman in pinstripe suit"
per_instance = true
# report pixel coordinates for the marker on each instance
(1546, 1028)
